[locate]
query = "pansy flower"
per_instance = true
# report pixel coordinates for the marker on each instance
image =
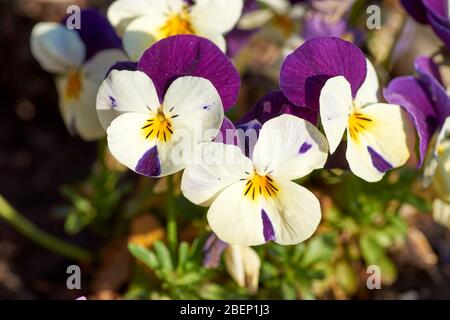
(175, 99)
(80, 59)
(333, 75)
(148, 21)
(427, 102)
(434, 12)
(253, 200)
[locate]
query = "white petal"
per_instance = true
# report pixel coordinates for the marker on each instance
(439, 145)
(290, 147)
(125, 91)
(368, 93)
(235, 219)
(123, 11)
(289, 218)
(295, 214)
(255, 19)
(382, 145)
(67, 108)
(196, 107)
(216, 15)
(215, 167)
(97, 67)
(335, 105)
(57, 48)
(141, 34)
(243, 264)
(86, 122)
(128, 144)
(279, 6)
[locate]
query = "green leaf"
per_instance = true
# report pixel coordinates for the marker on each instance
(183, 254)
(144, 255)
(163, 255)
(346, 277)
(319, 248)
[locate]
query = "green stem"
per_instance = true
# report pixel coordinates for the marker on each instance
(30, 230)
(172, 233)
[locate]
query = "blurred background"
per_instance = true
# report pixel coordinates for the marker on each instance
(38, 157)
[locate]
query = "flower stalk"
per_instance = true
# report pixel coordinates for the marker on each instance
(46, 240)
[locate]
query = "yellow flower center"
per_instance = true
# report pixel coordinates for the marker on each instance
(357, 123)
(260, 186)
(177, 23)
(74, 86)
(159, 127)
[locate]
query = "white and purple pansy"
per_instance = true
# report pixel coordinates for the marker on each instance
(154, 115)
(333, 76)
(80, 59)
(253, 199)
(425, 99)
(433, 12)
(145, 22)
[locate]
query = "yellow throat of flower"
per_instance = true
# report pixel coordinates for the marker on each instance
(357, 124)
(260, 186)
(159, 127)
(74, 86)
(284, 23)
(177, 23)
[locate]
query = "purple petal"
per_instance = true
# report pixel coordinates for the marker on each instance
(96, 32)
(416, 9)
(439, 10)
(378, 161)
(431, 79)
(316, 26)
(305, 71)
(212, 251)
(188, 55)
(441, 29)
(409, 93)
(227, 133)
(269, 233)
(275, 104)
(149, 164)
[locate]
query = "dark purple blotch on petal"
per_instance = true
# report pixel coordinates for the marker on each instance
(304, 147)
(212, 251)
(378, 161)
(123, 65)
(268, 231)
(189, 55)
(96, 32)
(305, 71)
(149, 164)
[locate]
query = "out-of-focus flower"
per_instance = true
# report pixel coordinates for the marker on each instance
(348, 87)
(80, 59)
(173, 101)
(255, 201)
(148, 21)
(434, 12)
(327, 19)
(244, 265)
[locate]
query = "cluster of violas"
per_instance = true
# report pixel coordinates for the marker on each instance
(165, 112)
